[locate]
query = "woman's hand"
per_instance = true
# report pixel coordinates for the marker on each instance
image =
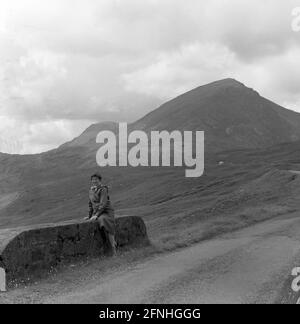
(86, 218)
(94, 218)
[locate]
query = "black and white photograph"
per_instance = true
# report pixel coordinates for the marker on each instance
(149, 154)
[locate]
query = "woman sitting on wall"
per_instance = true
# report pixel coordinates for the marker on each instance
(101, 210)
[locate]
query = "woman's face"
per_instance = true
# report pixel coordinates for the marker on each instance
(95, 182)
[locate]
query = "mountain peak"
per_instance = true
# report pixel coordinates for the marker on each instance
(221, 85)
(228, 82)
(213, 87)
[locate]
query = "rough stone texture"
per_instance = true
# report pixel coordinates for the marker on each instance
(25, 251)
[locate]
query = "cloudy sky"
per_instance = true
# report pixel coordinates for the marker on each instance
(65, 64)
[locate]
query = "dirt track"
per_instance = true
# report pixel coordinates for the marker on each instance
(252, 265)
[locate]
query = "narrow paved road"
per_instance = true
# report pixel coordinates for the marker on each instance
(248, 266)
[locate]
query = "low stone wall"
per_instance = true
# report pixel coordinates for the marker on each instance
(25, 251)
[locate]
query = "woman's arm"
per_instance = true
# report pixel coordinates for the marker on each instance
(90, 209)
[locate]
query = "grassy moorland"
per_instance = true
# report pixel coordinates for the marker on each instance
(248, 187)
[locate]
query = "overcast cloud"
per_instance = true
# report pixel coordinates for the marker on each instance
(65, 64)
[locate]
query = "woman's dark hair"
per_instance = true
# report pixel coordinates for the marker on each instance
(96, 175)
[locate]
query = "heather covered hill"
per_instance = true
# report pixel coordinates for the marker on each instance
(232, 115)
